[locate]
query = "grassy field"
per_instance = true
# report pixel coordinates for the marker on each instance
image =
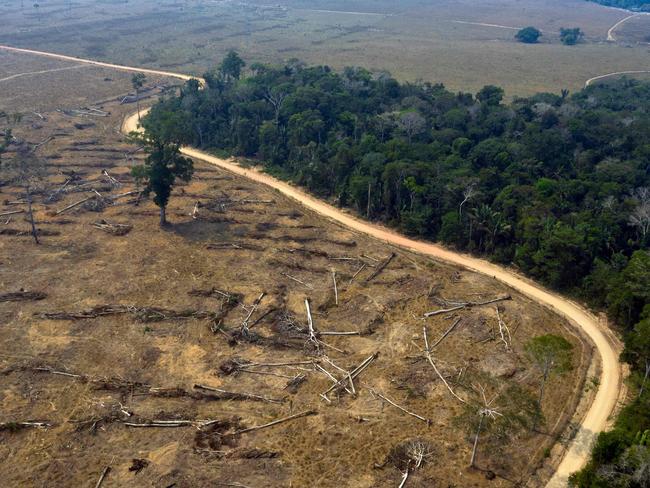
(412, 39)
(245, 239)
(38, 84)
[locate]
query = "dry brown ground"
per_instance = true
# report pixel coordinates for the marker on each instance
(40, 84)
(80, 267)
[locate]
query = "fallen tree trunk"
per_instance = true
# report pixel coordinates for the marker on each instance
(22, 296)
(381, 267)
(467, 305)
(230, 395)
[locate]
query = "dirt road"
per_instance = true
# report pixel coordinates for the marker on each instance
(97, 63)
(610, 33)
(616, 73)
(595, 420)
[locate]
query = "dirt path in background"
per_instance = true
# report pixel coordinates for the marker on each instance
(616, 73)
(597, 417)
(97, 63)
(54, 70)
(610, 32)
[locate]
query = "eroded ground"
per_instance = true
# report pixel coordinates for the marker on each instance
(141, 318)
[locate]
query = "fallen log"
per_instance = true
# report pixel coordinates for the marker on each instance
(22, 296)
(381, 267)
(427, 353)
(75, 204)
(448, 331)
(399, 407)
(112, 228)
(161, 423)
(13, 212)
(306, 413)
(143, 314)
(102, 477)
(351, 375)
(467, 305)
(231, 395)
(16, 426)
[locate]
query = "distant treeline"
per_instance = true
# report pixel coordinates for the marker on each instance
(556, 184)
(643, 5)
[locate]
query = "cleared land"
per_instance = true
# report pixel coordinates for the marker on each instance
(412, 39)
(39, 84)
(246, 239)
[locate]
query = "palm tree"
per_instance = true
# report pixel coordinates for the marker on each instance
(138, 80)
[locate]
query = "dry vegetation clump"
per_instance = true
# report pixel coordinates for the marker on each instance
(218, 350)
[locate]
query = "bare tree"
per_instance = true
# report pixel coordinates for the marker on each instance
(495, 413)
(412, 123)
(27, 170)
(276, 96)
(468, 193)
(640, 217)
(385, 122)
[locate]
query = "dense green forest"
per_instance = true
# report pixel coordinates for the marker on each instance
(558, 185)
(643, 5)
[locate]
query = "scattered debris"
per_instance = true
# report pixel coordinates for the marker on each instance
(138, 465)
(112, 228)
(143, 314)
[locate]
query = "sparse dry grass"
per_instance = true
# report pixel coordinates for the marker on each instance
(414, 40)
(84, 267)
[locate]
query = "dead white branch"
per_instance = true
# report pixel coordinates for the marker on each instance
(467, 305)
(361, 268)
(306, 413)
(386, 399)
(75, 204)
(240, 395)
(298, 281)
(427, 352)
(453, 326)
(503, 330)
(102, 477)
(353, 374)
(244, 324)
(310, 324)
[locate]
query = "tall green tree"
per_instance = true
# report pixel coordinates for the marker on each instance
(163, 165)
(231, 66)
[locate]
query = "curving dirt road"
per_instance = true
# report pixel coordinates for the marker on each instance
(597, 417)
(610, 33)
(616, 73)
